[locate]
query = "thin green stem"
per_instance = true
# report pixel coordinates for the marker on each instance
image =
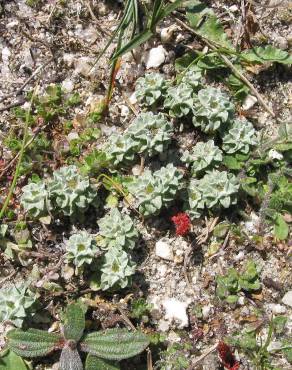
(21, 152)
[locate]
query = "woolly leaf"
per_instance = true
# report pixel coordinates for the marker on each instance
(70, 359)
(94, 363)
(264, 54)
(206, 24)
(115, 344)
(74, 322)
(33, 343)
(11, 361)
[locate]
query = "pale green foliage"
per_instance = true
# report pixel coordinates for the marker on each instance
(117, 231)
(239, 137)
(212, 109)
(116, 269)
(151, 133)
(121, 149)
(156, 190)
(34, 199)
(215, 189)
(81, 248)
(193, 77)
(15, 302)
(179, 100)
(151, 88)
(70, 193)
(202, 156)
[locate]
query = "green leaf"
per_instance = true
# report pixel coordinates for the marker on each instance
(135, 42)
(231, 299)
(279, 323)
(94, 363)
(70, 359)
(33, 343)
(287, 350)
(74, 322)
(238, 88)
(231, 162)
(115, 344)
(205, 23)
(266, 54)
(11, 361)
(281, 229)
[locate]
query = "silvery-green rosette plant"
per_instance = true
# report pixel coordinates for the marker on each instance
(203, 156)
(179, 100)
(212, 109)
(151, 88)
(103, 348)
(215, 189)
(156, 190)
(15, 302)
(69, 192)
(121, 149)
(193, 77)
(117, 231)
(81, 248)
(151, 133)
(117, 269)
(240, 136)
(35, 199)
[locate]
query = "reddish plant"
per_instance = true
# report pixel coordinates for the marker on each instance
(182, 223)
(227, 357)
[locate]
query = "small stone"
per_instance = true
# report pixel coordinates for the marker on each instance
(239, 256)
(273, 154)
(281, 42)
(68, 85)
(72, 136)
(163, 325)
(287, 299)
(164, 250)
(124, 110)
(173, 337)
(249, 102)
(233, 8)
(136, 170)
(166, 34)
(206, 311)
(176, 310)
(68, 59)
(162, 270)
(277, 308)
(156, 57)
(133, 99)
(83, 66)
(241, 301)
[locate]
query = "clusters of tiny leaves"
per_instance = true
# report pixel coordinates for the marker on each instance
(35, 199)
(193, 77)
(67, 193)
(240, 137)
(151, 133)
(156, 190)
(150, 89)
(117, 231)
(179, 100)
(148, 134)
(215, 189)
(15, 302)
(117, 269)
(212, 109)
(81, 248)
(202, 156)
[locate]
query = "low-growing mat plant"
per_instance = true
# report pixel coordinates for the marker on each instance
(102, 347)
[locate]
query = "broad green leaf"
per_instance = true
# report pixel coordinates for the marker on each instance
(74, 322)
(281, 228)
(206, 24)
(33, 343)
(94, 363)
(115, 344)
(238, 88)
(231, 299)
(279, 323)
(287, 350)
(231, 162)
(11, 361)
(70, 359)
(266, 54)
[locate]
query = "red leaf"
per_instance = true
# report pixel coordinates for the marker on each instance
(182, 223)
(227, 357)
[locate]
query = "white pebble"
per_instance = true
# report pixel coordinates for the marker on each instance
(164, 250)
(249, 102)
(156, 57)
(176, 310)
(287, 299)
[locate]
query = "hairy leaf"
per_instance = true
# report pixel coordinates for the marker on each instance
(11, 361)
(70, 359)
(263, 54)
(115, 344)
(206, 24)
(33, 343)
(74, 322)
(94, 363)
